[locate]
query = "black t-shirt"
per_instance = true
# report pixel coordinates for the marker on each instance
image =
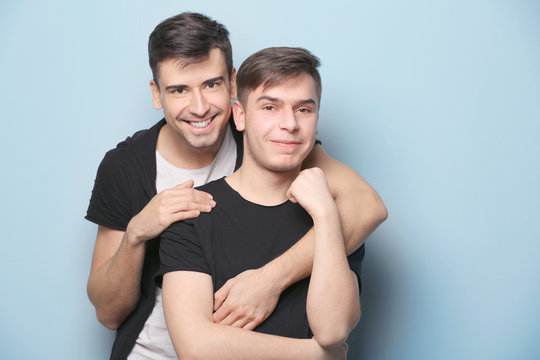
(239, 235)
(125, 183)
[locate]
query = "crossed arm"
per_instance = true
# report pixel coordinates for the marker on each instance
(246, 300)
(196, 336)
(332, 300)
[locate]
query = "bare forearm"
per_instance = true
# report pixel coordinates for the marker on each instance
(114, 287)
(333, 306)
(215, 341)
(196, 336)
(297, 262)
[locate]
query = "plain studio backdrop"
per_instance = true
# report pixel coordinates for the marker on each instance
(435, 103)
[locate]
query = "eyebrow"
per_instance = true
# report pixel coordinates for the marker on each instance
(268, 98)
(205, 82)
(279, 101)
(212, 80)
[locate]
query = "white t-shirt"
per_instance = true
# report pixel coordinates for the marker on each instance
(154, 342)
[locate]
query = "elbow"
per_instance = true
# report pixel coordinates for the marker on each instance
(112, 314)
(112, 317)
(107, 317)
(378, 210)
(336, 335)
(330, 339)
(107, 321)
(382, 212)
(193, 349)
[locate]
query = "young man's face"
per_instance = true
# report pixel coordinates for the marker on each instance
(279, 123)
(196, 99)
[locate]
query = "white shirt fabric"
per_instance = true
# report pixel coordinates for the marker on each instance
(154, 342)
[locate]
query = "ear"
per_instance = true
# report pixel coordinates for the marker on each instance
(233, 83)
(239, 116)
(156, 95)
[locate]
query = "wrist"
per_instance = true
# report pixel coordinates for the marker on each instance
(274, 274)
(285, 270)
(327, 212)
(132, 237)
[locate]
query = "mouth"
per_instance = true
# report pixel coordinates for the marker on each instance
(286, 143)
(201, 124)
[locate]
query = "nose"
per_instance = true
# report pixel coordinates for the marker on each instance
(199, 105)
(288, 121)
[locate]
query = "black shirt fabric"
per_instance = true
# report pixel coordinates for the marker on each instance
(125, 183)
(239, 235)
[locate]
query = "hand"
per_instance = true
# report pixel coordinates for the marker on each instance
(246, 300)
(171, 205)
(311, 191)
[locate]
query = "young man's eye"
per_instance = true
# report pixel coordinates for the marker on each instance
(212, 85)
(304, 110)
(179, 91)
(268, 107)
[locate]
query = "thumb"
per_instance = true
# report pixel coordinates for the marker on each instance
(290, 196)
(187, 184)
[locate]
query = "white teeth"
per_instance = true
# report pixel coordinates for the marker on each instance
(201, 124)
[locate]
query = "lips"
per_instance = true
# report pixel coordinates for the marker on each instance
(286, 143)
(201, 124)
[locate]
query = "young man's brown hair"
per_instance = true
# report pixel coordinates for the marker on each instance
(272, 66)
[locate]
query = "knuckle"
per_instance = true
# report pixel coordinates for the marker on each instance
(165, 193)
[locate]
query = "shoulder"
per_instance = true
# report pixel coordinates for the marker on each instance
(135, 148)
(222, 194)
(218, 185)
(136, 143)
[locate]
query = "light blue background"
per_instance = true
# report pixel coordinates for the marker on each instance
(435, 103)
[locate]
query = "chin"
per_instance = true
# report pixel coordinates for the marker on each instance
(285, 167)
(204, 141)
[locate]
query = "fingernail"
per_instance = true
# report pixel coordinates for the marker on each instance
(212, 203)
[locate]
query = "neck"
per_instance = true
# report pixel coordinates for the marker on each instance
(181, 154)
(262, 186)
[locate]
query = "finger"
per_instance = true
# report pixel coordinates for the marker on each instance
(251, 325)
(185, 203)
(199, 195)
(240, 323)
(230, 319)
(221, 295)
(221, 313)
(184, 215)
(186, 206)
(188, 194)
(191, 195)
(186, 184)
(290, 195)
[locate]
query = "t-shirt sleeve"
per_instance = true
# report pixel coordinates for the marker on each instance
(109, 204)
(355, 263)
(180, 250)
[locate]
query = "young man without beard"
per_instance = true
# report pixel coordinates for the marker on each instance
(145, 184)
(262, 210)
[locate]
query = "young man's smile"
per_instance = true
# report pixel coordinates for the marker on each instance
(195, 99)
